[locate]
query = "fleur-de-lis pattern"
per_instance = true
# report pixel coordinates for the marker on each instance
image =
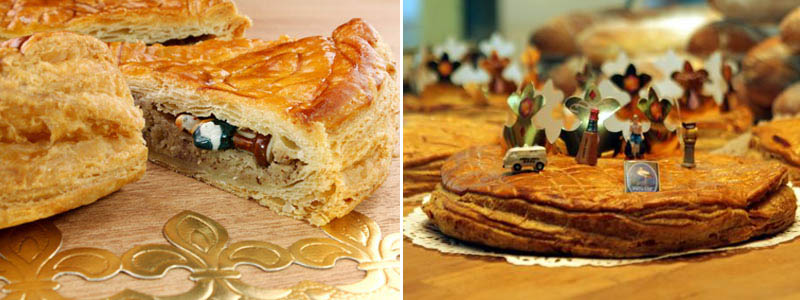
(717, 84)
(592, 98)
(447, 58)
(692, 82)
(554, 116)
(31, 261)
(524, 105)
(631, 81)
(654, 107)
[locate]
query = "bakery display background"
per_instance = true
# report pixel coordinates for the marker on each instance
(136, 214)
(430, 274)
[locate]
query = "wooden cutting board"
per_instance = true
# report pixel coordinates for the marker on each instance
(137, 213)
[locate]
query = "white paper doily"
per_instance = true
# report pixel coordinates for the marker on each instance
(422, 232)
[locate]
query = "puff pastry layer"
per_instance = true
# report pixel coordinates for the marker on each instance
(149, 21)
(582, 210)
(331, 105)
(69, 131)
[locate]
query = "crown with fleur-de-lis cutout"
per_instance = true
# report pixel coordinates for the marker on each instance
(524, 105)
(654, 107)
(581, 106)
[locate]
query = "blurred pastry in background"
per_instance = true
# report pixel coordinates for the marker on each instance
(646, 32)
(730, 38)
(767, 70)
(556, 38)
(779, 140)
(430, 138)
(754, 11)
(787, 104)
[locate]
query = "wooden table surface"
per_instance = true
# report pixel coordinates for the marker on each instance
(137, 213)
(766, 273)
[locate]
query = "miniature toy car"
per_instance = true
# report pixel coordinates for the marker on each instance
(518, 157)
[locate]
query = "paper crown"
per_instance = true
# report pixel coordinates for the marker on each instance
(622, 89)
(494, 63)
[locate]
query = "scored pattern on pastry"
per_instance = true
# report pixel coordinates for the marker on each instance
(31, 259)
(314, 78)
(583, 210)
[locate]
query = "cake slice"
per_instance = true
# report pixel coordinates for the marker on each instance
(306, 127)
(173, 21)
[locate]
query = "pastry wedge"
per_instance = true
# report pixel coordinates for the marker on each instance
(304, 126)
(779, 140)
(69, 131)
(149, 21)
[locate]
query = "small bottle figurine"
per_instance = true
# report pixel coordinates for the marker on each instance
(636, 138)
(689, 139)
(587, 151)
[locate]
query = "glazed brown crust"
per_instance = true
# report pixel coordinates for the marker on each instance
(779, 137)
(314, 79)
(147, 20)
(430, 138)
(331, 104)
(602, 234)
(582, 210)
(718, 180)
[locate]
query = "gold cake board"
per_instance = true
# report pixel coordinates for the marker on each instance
(170, 235)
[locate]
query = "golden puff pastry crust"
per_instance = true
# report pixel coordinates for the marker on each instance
(149, 21)
(330, 104)
(69, 130)
(779, 140)
(583, 210)
(430, 138)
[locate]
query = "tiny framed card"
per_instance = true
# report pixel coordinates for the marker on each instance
(641, 176)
